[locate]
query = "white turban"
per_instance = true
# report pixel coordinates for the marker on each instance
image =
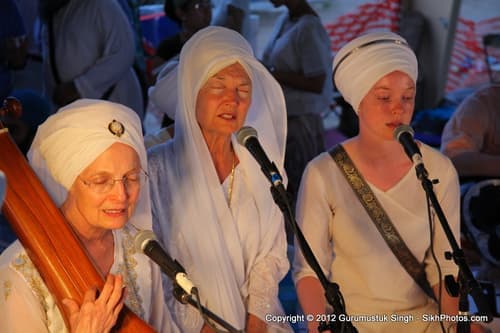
(359, 64)
(70, 140)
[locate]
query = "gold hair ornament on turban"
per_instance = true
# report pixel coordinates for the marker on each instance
(359, 64)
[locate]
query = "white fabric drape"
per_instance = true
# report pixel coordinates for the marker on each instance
(190, 213)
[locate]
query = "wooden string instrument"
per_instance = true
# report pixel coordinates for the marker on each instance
(49, 240)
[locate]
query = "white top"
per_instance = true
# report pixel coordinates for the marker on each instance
(301, 46)
(27, 305)
(235, 256)
(352, 252)
(94, 48)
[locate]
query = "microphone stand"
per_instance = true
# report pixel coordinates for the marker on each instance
(332, 290)
(467, 283)
(184, 298)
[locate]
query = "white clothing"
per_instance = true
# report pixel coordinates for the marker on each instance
(162, 97)
(27, 305)
(301, 46)
(64, 145)
(351, 251)
(235, 256)
(94, 47)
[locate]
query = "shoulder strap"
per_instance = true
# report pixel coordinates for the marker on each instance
(380, 218)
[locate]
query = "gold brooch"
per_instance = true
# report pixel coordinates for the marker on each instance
(116, 128)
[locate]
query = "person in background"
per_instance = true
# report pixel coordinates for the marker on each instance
(376, 73)
(471, 137)
(13, 47)
(13, 57)
(191, 15)
(88, 52)
(90, 157)
(298, 55)
(210, 207)
(131, 8)
(233, 14)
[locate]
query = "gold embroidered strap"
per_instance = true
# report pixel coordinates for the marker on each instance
(380, 218)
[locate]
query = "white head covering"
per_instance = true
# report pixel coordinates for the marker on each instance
(198, 210)
(68, 141)
(163, 94)
(359, 64)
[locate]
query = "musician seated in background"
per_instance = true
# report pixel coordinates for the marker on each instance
(211, 203)
(376, 74)
(471, 139)
(91, 159)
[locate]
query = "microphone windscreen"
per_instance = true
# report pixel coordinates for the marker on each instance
(244, 133)
(403, 129)
(142, 238)
(3, 187)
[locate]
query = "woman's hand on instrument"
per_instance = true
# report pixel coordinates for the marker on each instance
(97, 315)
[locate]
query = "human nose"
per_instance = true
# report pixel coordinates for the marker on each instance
(398, 108)
(119, 188)
(232, 96)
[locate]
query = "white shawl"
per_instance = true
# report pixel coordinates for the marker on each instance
(194, 201)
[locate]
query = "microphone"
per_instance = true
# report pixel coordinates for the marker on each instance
(404, 134)
(145, 242)
(3, 187)
(247, 136)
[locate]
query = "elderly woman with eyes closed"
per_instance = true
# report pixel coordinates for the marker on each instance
(376, 74)
(90, 157)
(211, 205)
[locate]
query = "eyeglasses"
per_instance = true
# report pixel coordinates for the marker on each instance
(105, 183)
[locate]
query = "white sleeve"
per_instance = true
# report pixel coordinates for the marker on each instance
(20, 308)
(314, 216)
(265, 277)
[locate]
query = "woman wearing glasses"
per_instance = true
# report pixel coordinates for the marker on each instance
(91, 159)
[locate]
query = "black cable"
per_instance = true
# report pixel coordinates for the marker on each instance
(434, 258)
